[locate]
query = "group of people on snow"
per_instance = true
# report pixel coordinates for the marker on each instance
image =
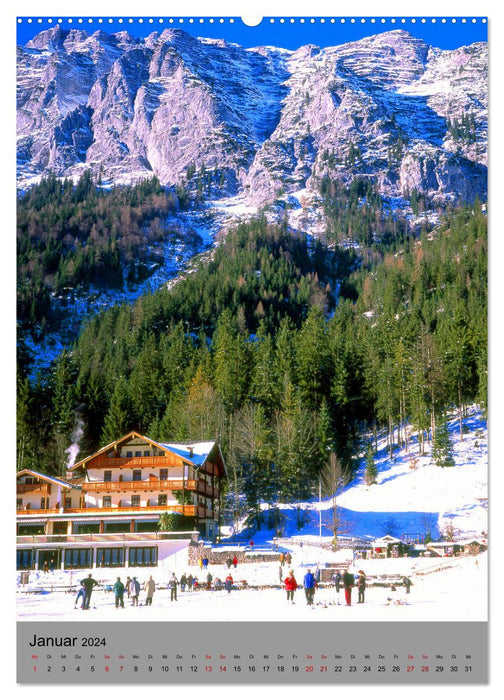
(347, 581)
(132, 587)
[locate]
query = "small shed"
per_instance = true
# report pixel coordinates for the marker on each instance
(473, 546)
(388, 546)
(444, 549)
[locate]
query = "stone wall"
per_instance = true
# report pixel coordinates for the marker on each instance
(220, 556)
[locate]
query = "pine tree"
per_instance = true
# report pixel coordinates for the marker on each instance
(117, 420)
(442, 449)
(370, 472)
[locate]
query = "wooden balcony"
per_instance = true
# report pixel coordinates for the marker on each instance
(150, 485)
(39, 511)
(207, 489)
(201, 485)
(190, 510)
(33, 488)
(103, 462)
(109, 537)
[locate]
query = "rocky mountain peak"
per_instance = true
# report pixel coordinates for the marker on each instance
(266, 121)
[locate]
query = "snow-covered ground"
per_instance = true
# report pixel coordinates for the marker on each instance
(412, 495)
(404, 501)
(455, 592)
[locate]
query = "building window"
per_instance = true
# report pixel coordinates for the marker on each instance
(24, 559)
(107, 502)
(112, 556)
(19, 503)
(107, 476)
(44, 503)
(146, 453)
(117, 527)
(138, 453)
(135, 501)
(129, 454)
(162, 499)
(86, 528)
(163, 474)
(143, 556)
(137, 474)
(68, 501)
(78, 558)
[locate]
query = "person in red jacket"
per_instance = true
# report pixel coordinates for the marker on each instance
(290, 586)
(348, 582)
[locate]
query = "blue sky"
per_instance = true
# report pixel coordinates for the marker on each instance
(448, 34)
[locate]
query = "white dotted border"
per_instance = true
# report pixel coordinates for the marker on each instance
(80, 21)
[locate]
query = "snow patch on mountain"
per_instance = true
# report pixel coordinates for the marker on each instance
(262, 117)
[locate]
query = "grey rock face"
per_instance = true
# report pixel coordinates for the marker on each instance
(268, 121)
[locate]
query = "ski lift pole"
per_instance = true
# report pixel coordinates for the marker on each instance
(320, 511)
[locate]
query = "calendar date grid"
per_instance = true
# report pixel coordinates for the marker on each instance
(252, 663)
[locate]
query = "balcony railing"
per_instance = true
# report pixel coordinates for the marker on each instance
(105, 537)
(150, 485)
(207, 489)
(113, 462)
(201, 485)
(190, 510)
(39, 511)
(33, 488)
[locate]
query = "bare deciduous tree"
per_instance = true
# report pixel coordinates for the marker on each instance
(333, 479)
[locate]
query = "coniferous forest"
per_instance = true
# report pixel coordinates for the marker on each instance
(285, 349)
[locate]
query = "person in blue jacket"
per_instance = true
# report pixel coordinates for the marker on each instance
(309, 584)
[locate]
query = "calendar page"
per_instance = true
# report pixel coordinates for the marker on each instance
(252, 350)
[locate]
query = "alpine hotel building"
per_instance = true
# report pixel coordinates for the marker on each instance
(106, 511)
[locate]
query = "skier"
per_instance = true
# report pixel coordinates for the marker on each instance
(229, 561)
(235, 561)
(190, 582)
(205, 562)
(209, 581)
(134, 589)
(361, 586)
(309, 585)
(290, 586)
(228, 583)
(89, 583)
(407, 583)
(149, 588)
(118, 589)
(172, 584)
(348, 582)
(127, 586)
(183, 582)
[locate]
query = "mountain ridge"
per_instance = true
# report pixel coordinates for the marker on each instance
(265, 121)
